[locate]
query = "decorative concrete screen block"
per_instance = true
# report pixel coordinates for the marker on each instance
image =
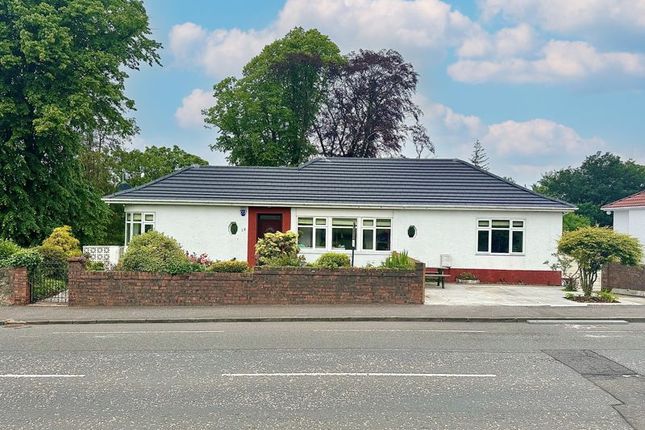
(109, 255)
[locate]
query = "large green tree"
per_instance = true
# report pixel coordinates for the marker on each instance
(601, 179)
(63, 64)
(265, 116)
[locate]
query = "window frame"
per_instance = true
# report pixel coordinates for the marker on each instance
(328, 228)
(129, 224)
(511, 229)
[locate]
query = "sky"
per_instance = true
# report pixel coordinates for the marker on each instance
(541, 83)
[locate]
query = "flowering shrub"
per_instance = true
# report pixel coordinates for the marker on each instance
(199, 259)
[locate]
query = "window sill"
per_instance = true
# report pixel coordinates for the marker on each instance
(491, 254)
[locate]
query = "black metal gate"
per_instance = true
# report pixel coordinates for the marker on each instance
(48, 282)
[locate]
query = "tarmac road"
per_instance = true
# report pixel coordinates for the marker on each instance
(340, 375)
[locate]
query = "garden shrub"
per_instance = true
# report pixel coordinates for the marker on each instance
(7, 248)
(333, 260)
(286, 261)
(63, 238)
(94, 266)
(593, 247)
(228, 266)
(29, 258)
(466, 276)
(398, 261)
(54, 262)
(277, 247)
(155, 252)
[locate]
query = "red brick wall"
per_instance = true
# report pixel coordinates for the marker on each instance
(624, 277)
(521, 277)
(19, 281)
(264, 286)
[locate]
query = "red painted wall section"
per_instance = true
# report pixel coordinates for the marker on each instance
(253, 227)
(520, 277)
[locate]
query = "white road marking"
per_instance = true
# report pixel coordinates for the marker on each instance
(577, 322)
(404, 330)
(403, 375)
(138, 332)
(9, 375)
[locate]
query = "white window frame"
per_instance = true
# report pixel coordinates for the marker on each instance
(511, 229)
(359, 232)
(315, 227)
(129, 224)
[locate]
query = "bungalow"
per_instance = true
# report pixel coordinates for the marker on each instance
(444, 212)
(629, 215)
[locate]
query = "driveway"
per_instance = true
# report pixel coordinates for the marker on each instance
(507, 295)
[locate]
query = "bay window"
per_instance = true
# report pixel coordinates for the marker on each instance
(137, 223)
(326, 233)
(500, 236)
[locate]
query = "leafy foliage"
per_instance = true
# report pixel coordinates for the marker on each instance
(62, 239)
(601, 179)
(398, 261)
(228, 266)
(573, 221)
(593, 247)
(368, 107)
(466, 276)
(29, 258)
(94, 266)
(566, 265)
(276, 248)
(264, 117)
(63, 65)
(7, 248)
(333, 260)
(54, 262)
(155, 252)
(479, 157)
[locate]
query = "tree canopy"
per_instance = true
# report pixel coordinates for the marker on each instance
(601, 179)
(479, 157)
(264, 117)
(367, 108)
(63, 65)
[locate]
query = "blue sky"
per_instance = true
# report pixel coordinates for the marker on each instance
(542, 83)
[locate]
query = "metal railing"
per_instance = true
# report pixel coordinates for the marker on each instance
(48, 282)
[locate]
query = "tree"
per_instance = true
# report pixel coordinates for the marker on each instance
(368, 108)
(479, 157)
(63, 64)
(593, 247)
(573, 221)
(264, 117)
(601, 179)
(139, 167)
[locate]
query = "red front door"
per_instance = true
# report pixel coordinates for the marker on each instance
(265, 220)
(268, 223)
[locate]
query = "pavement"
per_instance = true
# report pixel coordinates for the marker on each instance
(454, 303)
(323, 375)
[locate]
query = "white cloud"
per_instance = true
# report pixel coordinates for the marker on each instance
(411, 26)
(558, 61)
(571, 16)
(505, 43)
(189, 114)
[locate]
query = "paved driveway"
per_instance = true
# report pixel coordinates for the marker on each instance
(507, 295)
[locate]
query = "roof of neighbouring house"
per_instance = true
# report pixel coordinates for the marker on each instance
(376, 182)
(634, 201)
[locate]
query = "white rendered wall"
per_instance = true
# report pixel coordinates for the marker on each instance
(631, 222)
(452, 232)
(201, 229)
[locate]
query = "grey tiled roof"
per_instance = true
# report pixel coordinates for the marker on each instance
(391, 182)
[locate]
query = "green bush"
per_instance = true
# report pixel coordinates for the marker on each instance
(593, 247)
(63, 239)
(277, 247)
(333, 260)
(228, 266)
(155, 252)
(54, 263)
(607, 297)
(94, 266)
(29, 258)
(398, 261)
(286, 261)
(7, 248)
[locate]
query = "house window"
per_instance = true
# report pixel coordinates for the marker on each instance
(342, 233)
(137, 223)
(377, 234)
(500, 236)
(312, 232)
